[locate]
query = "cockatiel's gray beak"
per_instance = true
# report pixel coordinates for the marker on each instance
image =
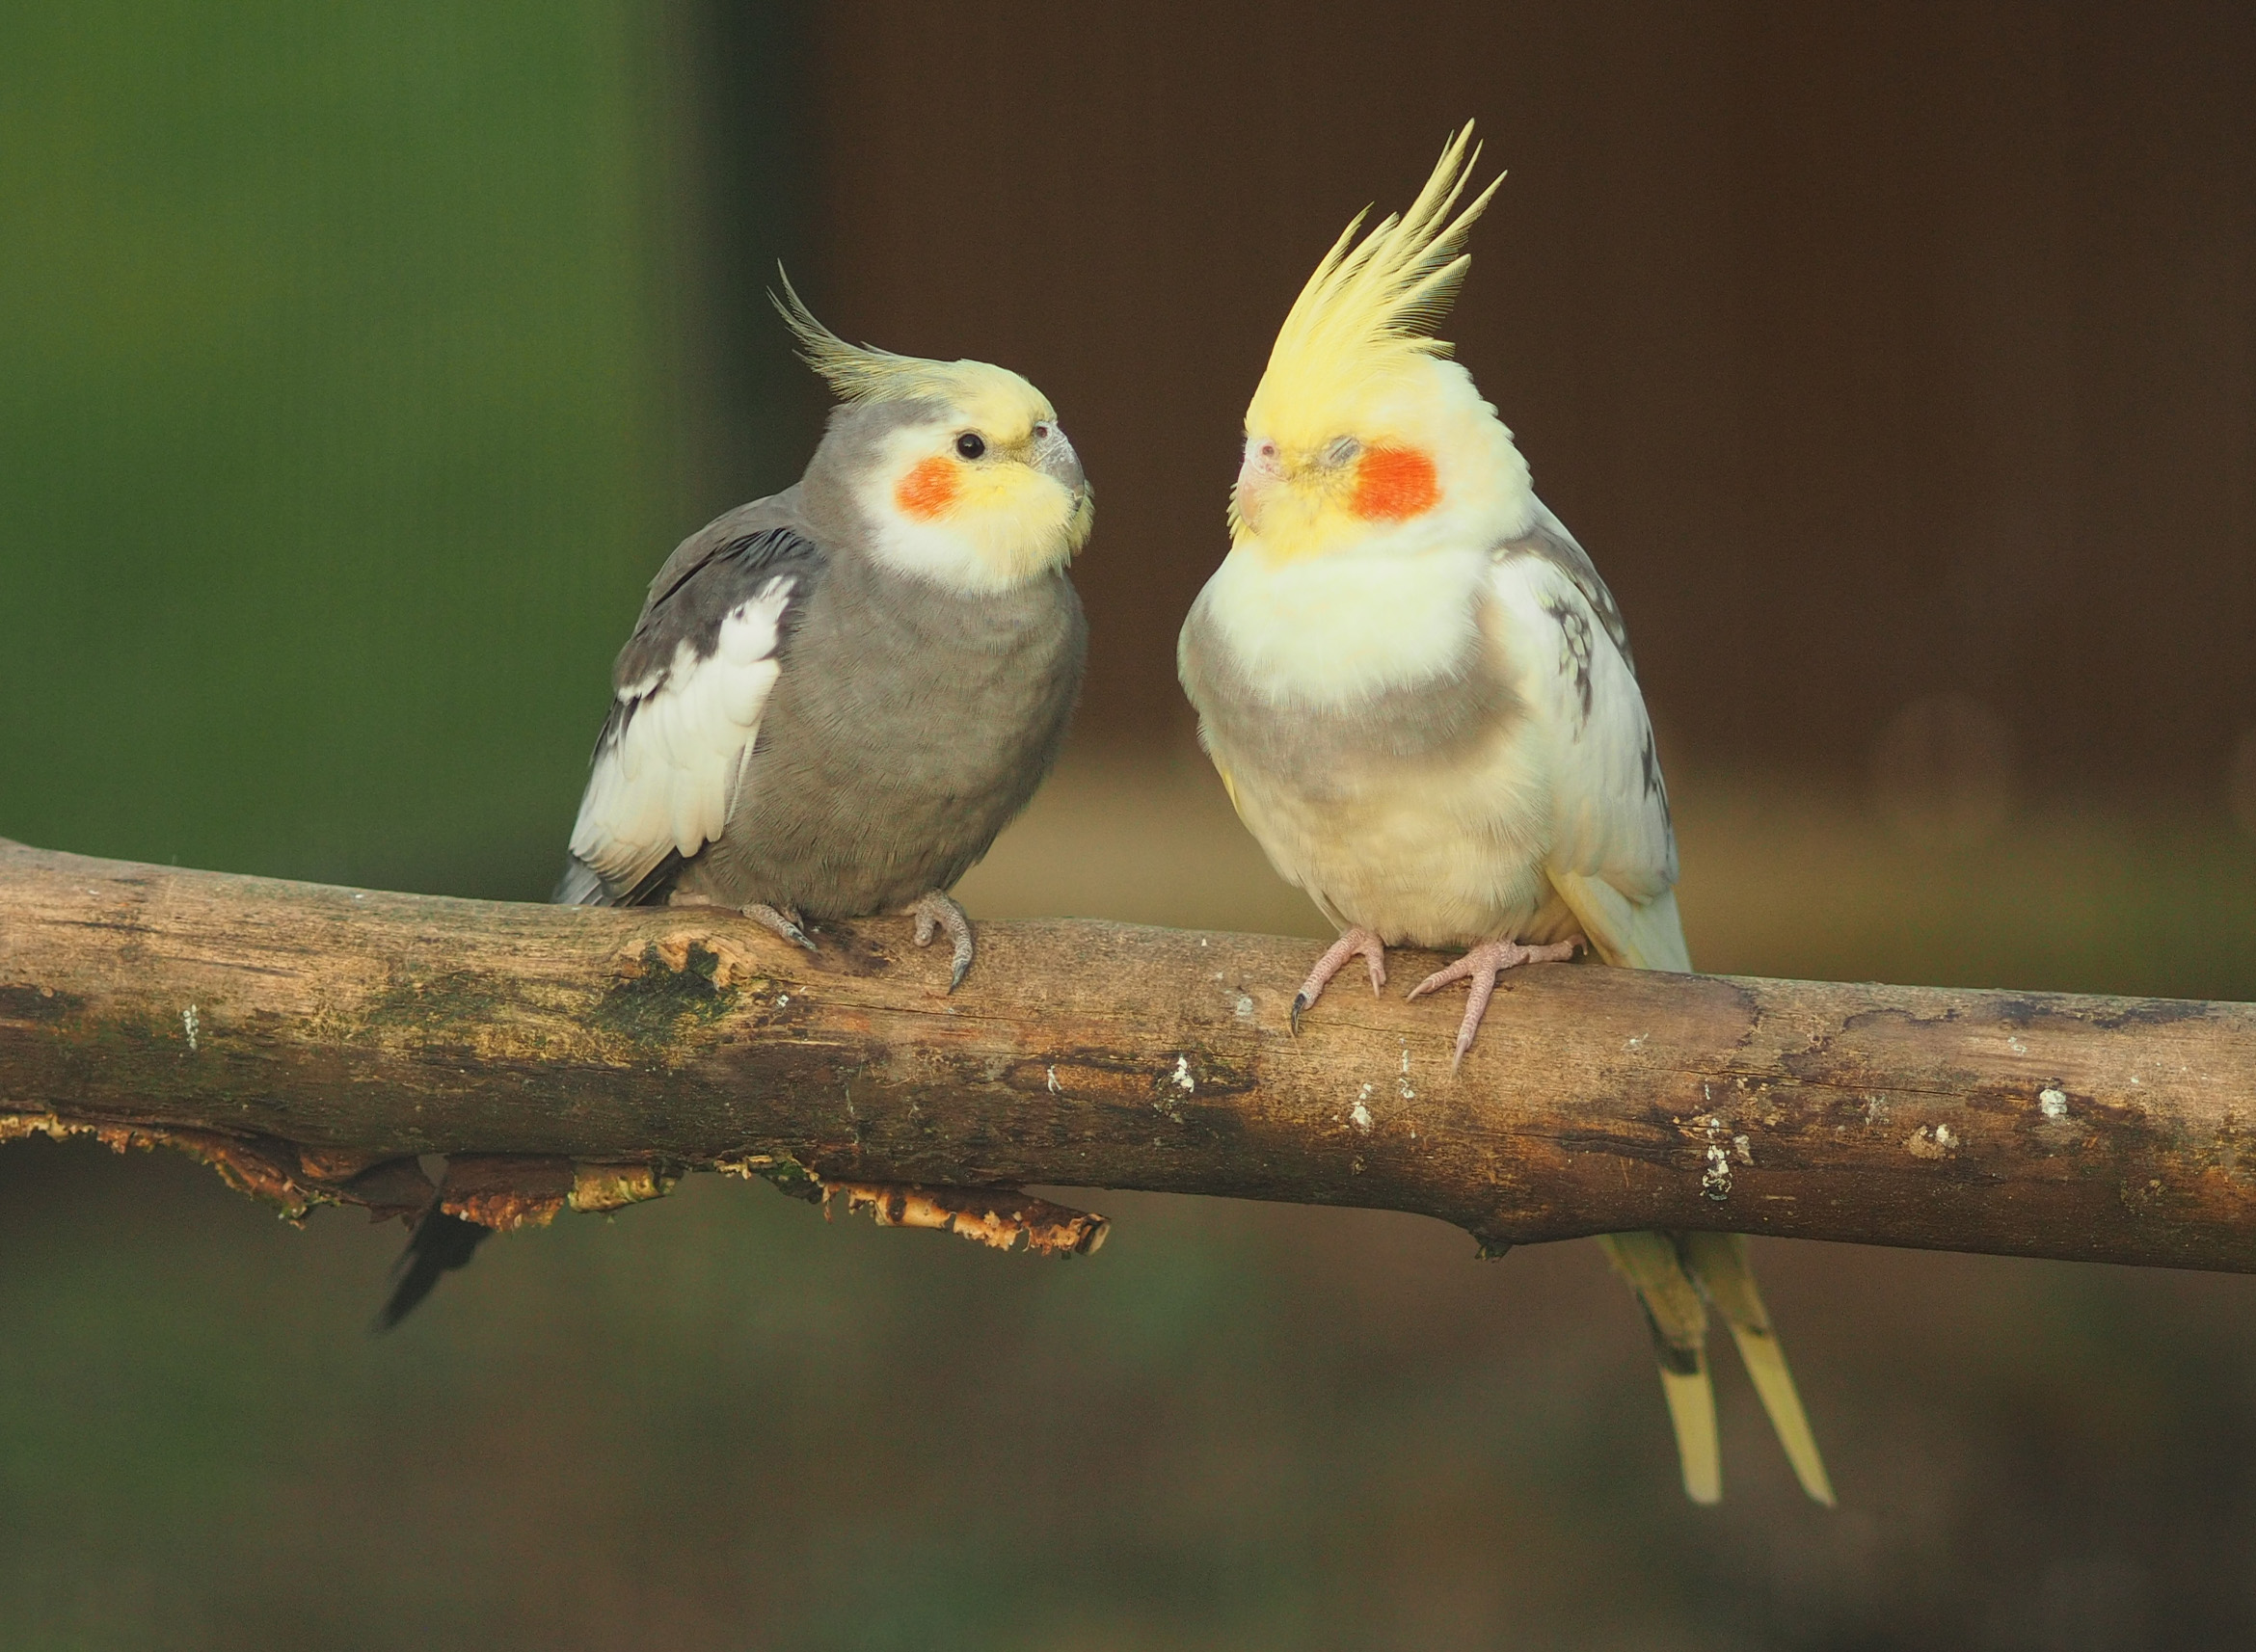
(1054, 456)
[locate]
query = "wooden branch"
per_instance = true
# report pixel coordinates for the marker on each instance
(308, 1041)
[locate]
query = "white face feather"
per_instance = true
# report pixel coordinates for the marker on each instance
(985, 524)
(943, 553)
(1337, 629)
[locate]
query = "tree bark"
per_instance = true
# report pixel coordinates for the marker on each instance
(310, 1041)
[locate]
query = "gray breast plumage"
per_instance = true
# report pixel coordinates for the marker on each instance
(1323, 754)
(908, 725)
(799, 724)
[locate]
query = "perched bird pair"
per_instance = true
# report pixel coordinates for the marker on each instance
(1417, 690)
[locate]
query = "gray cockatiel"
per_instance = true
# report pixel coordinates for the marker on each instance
(835, 697)
(1420, 698)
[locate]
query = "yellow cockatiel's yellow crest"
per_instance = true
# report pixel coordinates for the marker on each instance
(993, 398)
(1370, 310)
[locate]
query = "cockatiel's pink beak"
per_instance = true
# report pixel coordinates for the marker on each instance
(1262, 470)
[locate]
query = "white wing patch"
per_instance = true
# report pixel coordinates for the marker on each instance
(668, 774)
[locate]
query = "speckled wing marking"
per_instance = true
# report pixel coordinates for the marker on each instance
(1573, 618)
(1613, 856)
(1549, 540)
(691, 684)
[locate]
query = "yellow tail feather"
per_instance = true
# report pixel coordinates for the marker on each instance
(1677, 1316)
(1649, 936)
(1691, 1398)
(1718, 1262)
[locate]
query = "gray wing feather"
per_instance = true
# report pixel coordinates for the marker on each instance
(757, 555)
(581, 887)
(776, 511)
(708, 572)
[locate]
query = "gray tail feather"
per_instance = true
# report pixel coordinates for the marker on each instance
(580, 885)
(439, 1244)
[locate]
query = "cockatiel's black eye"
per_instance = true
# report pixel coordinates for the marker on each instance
(1342, 449)
(970, 444)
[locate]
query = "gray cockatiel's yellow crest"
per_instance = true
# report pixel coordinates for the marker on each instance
(993, 397)
(981, 492)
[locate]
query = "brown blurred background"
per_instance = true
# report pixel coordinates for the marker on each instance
(357, 367)
(1874, 353)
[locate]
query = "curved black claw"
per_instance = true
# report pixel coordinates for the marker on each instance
(781, 921)
(937, 911)
(1299, 1006)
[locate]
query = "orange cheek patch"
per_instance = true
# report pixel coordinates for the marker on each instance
(927, 489)
(1394, 484)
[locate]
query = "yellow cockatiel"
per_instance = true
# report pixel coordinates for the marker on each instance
(1421, 700)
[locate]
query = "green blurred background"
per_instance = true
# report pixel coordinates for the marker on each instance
(358, 365)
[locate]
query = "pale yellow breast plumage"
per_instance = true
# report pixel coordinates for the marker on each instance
(1548, 820)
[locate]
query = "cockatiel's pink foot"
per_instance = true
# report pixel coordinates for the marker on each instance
(1481, 966)
(936, 911)
(781, 921)
(1355, 941)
